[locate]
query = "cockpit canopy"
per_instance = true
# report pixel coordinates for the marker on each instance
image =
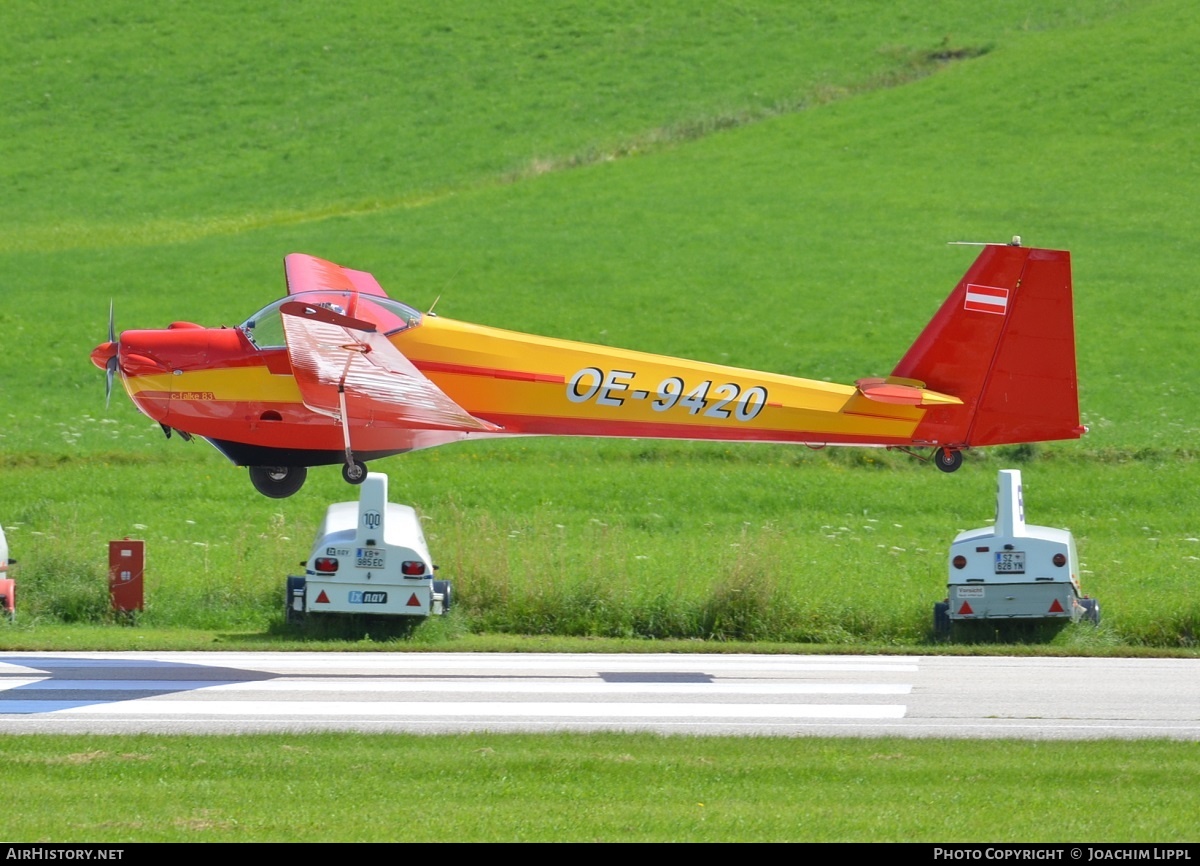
(265, 328)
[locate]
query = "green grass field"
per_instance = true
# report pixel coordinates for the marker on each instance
(632, 788)
(764, 184)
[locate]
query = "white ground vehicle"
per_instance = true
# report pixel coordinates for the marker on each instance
(1013, 570)
(370, 557)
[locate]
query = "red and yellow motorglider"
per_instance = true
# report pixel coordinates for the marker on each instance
(337, 372)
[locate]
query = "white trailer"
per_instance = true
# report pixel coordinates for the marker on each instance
(370, 557)
(1013, 570)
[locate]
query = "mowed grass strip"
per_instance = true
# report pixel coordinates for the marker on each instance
(594, 787)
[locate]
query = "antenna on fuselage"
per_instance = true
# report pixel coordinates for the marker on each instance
(1015, 242)
(430, 311)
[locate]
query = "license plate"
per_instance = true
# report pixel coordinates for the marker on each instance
(365, 597)
(368, 557)
(1010, 562)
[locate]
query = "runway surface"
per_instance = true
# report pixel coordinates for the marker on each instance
(763, 695)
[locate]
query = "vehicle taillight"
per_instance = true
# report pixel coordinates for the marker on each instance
(326, 564)
(1059, 559)
(959, 561)
(412, 567)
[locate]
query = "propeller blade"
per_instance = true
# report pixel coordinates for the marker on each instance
(110, 368)
(111, 365)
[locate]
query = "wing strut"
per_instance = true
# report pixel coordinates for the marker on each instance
(354, 471)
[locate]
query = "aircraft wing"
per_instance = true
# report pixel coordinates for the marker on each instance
(335, 357)
(310, 274)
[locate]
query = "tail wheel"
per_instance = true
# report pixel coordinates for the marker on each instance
(277, 482)
(947, 460)
(355, 472)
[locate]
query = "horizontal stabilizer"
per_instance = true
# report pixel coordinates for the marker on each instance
(903, 392)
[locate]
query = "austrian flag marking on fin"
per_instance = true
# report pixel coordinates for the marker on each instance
(986, 299)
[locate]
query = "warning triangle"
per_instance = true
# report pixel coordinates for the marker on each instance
(966, 608)
(1056, 607)
(322, 598)
(413, 601)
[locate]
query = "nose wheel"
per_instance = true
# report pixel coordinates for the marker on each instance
(277, 482)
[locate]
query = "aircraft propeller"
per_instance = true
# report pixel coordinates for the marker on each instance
(111, 366)
(105, 355)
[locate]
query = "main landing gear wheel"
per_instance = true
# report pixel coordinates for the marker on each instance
(354, 473)
(947, 461)
(278, 482)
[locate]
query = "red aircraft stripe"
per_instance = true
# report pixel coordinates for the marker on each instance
(557, 425)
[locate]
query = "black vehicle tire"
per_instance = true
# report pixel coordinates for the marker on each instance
(947, 461)
(941, 619)
(443, 586)
(1091, 610)
(278, 482)
(290, 614)
(354, 473)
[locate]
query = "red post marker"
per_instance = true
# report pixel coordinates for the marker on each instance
(126, 568)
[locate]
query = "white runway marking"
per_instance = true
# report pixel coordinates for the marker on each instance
(497, 709)
(385, 686)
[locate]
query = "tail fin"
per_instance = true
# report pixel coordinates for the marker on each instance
(1004, 344)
